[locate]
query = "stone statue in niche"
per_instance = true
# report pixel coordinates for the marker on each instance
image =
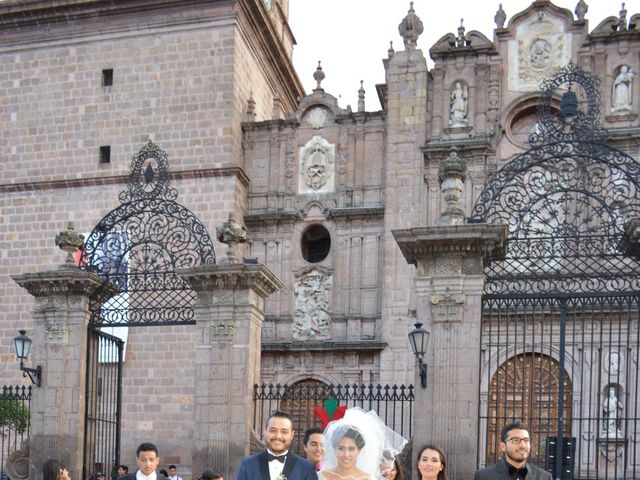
(317, 165)
(459, 105)
(311, 317)
(621, 93)
(612, 409)
(613, 366)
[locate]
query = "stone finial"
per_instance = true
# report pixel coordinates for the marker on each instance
(231, 233)
(461, 40)
(318, 76)
(581, 10)
(361, 93)
(391, 51)
(622, 22)
(452, 174)
(69, 241)
(500, 17)
(410, 29)
(250, 115)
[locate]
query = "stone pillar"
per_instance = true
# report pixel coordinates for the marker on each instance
(449, 262)
(229, 317)
(60, 328)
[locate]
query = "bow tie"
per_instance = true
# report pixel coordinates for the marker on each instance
(280, 458)
(517, 472)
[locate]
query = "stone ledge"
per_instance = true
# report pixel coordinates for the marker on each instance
(483, 239)
(233, 276)
(355, 212)
(278, 216)
(323, 345)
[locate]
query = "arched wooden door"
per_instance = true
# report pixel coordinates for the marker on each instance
(525, 388)
(298, 401)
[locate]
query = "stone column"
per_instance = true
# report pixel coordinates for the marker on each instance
(449, 262)
(229, 317)
(60, 324)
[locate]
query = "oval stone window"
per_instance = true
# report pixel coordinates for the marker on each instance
(315, 244)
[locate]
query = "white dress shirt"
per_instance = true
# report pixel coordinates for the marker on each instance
(142, 476)
(276, 467)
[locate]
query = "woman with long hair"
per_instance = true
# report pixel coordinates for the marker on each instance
(394, 472)
(432, 463)
(54, 470)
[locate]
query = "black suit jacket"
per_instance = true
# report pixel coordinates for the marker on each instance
(256, 467)
(500, 471)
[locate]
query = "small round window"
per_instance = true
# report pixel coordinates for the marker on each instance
(315, 244)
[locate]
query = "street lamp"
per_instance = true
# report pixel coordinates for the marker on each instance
(419, 338)
(23, 345)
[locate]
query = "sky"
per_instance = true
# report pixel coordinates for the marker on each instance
(351, 37)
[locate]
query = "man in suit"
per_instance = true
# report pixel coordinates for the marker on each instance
(277, 462)
(515, 442)
(313, 445)
(148, 459)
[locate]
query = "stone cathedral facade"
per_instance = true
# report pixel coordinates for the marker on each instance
(320, 188)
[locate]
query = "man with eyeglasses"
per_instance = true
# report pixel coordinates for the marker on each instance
(515, 442)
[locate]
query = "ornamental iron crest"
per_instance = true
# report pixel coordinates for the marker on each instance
(138, 246)
(566, 200)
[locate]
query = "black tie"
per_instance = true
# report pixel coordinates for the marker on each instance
(280, 458)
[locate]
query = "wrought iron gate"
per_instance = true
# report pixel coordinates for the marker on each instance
(103, 398)
(136, 249)
(560, 313)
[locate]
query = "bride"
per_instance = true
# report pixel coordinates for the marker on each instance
(354, 446)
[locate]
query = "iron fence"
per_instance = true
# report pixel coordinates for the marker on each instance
(392, 403)
(15, 420)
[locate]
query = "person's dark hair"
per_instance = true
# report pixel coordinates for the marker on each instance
(310, 431)
(51, 469)
(348, 431)
(164, 472)
(280, 414)
(442, 475)
(147, 447)
(172, 467)
(399, 474)
(517, 425)
(124, 467)
(210, 475)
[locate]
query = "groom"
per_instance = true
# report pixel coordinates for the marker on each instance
(277, 462)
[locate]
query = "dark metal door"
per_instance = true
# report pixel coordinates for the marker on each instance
(103, 400)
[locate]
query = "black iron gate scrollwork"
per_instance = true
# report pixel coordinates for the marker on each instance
(136, 249)
(560, 312)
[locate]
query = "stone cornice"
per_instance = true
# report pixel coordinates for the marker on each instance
(51, 20)
(323, 345)
(209, 278)
(66, 280)
(485, 240)
(289, 216)
(356, 212)
(272, 52)
(237, 172)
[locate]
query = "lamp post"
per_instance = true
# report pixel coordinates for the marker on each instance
(419, 339)
(23, 345)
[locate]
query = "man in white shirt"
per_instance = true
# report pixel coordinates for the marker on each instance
(173, 473)
(148, 460)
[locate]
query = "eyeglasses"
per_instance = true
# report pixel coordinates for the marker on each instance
(518, 440)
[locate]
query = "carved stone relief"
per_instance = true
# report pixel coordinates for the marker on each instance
(56, 334)
(540, 47)
(311, 318)
(447, 306)
(317, 118)
(221, 331)
(317, 160)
